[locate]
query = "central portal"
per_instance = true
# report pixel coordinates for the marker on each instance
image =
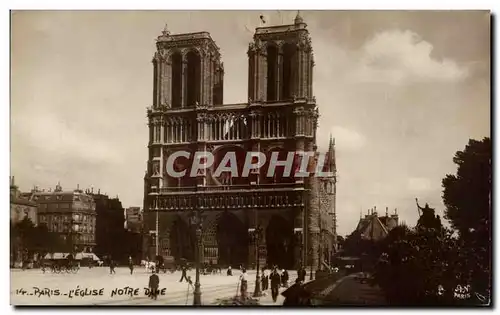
(232, 240)
(279, 241)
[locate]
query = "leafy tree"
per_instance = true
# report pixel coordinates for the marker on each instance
(467, 197)
(33, 239)
(416, 262)
(22, 237)
(407, 264)
(45, 241)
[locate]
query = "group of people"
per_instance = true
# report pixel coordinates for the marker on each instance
(276, 278)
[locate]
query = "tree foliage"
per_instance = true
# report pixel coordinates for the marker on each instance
(32, 239)
(467, 197)
(426, 265)
(466, 194)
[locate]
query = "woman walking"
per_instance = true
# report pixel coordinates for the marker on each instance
(244, 283)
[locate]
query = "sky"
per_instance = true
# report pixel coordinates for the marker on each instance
(401, 92)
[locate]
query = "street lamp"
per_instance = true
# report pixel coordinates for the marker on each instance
(157, 226)
(196, 223)
(256, 234)
(311, 251)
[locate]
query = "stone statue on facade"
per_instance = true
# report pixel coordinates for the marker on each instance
(165, 31)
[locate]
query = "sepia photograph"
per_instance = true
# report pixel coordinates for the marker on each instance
(299, 158)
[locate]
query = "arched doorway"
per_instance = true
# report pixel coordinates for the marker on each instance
(279, 241)
(232, 241)
(182, 241)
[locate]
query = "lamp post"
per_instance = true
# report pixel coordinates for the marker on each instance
(257, 233)
(320, 236)
(157, 225)
(311, 277)
(196, 222)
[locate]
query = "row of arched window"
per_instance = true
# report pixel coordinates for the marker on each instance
(231, 127)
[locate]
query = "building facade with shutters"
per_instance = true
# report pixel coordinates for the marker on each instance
(70, 214)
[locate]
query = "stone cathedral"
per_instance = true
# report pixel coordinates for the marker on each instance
(297, 216)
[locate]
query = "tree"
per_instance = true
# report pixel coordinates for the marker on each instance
(32, 239)
(467, 197)
(23, 238)
(45, 241)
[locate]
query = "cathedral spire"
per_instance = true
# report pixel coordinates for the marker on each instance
(331, 153)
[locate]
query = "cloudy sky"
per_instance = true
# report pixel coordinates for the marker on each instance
(400, 91)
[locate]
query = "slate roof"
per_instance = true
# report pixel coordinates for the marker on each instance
(373, 227)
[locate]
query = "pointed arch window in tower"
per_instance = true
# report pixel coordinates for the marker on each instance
(272, 75)
(193, 78)
(176, 80)
(288, 71)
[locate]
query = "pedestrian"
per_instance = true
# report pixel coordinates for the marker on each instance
(267, 280)
(131, 265)
(275, 283)
(154, 282)
(296, 295)
(112, 267)
(302, 274)
(229, 271)
(184, 275)
(244, 283)
(263, 279)
(284, 278)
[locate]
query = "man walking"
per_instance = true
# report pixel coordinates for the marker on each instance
(301, 274)
(112, 267)
(275, 283)
(184, 276)
(284, 278)
(131, 264)
(154, 283)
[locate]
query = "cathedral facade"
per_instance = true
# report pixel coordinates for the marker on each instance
(296, 215)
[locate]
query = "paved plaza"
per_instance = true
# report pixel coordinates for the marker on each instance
(97, 287)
